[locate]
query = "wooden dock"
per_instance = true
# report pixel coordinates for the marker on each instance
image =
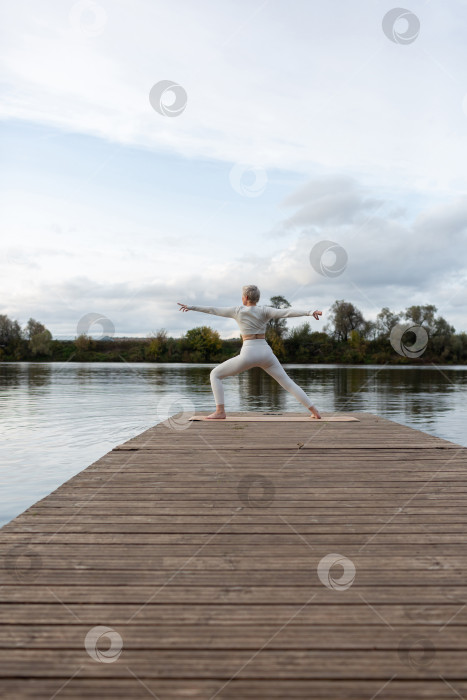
(244, 560)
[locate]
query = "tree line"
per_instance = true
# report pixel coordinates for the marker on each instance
(347, 337)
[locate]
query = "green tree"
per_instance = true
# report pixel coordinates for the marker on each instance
(39, 338)
(84, 342)
(40, 343)
(204, 341)
(11, 338)
(385, 321)
(369, 330)
(33, 328)
(157, 345)
(277, 344)
(278, 326)
(10, 331)
(345, 317)
(299, 343)
(425, 316)
(358, 344)
(422, 316)
(442, 327)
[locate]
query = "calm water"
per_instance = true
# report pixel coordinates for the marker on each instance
(55, 419)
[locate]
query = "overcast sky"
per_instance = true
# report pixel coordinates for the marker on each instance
(298, 121)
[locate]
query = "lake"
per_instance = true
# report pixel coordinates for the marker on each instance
(57, 418)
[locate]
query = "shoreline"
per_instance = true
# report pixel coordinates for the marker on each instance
(216, 362)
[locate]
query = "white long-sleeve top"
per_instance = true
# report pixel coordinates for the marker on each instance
(250, 319)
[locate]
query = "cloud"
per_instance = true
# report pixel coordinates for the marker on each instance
(280, 86)
(388, 266)
(337, 200)
(450, 218)
(19, 257)
(374, 127)
(318, 188)
(392, 260)
(390, 263)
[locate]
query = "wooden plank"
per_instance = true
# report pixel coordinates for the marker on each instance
(434, 617)
(286, 543)
(214, 587)
(174, 592)
(151, 637)
(286, 664)
(50, 571)
(196, 560)
(251, 689)
(372, 583)
(87, 526)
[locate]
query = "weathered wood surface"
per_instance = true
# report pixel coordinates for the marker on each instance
(205, 548)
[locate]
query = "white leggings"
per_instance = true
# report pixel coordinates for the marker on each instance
(255, 353)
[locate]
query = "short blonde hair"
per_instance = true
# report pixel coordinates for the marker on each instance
(251, 292)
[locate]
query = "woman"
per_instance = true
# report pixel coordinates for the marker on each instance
(255, 352)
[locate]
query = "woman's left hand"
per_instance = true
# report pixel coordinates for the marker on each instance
(317, 314)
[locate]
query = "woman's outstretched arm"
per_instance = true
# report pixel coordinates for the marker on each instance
(228, 311)
(272, 312)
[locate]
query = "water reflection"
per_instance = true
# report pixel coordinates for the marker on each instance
(57, 418)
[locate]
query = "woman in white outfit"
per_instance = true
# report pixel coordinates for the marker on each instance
(252, 320)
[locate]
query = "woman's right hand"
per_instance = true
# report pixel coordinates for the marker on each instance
(183, 307)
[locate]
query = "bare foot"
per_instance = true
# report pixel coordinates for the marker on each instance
(217, 415)
(315, 412)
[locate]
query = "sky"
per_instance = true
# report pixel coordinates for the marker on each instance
(294, 122)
